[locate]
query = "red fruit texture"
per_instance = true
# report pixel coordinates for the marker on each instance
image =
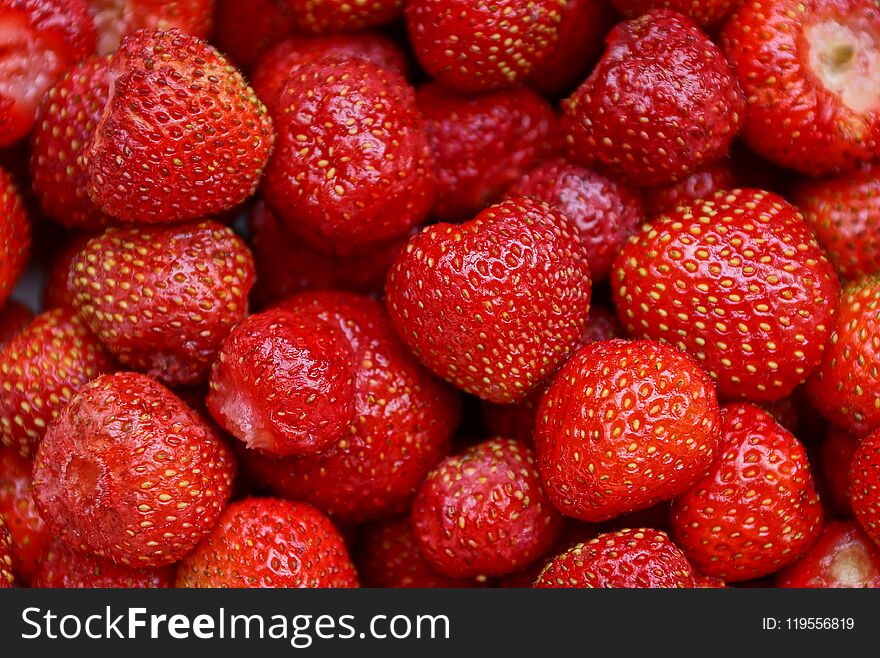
(706, 13)
(625, 425)
(843, 557)
(246, 30)
(263, 542)
(7, 577)
(835, 459)
(483, 512)
(64, 568)
(57, 292)
(739, 281)
(757, 509)
(496, 304)
(16, 232)
(129, 473)
(700, 184)
(603, 324)
(14, 317)
(30, 537)
(182, 136)
(864, 485)
(115, 19)
(328, 16)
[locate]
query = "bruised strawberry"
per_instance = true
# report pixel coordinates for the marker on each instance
(128, 472)
(40, 370)
(162, 299)
(737, 280)
(496, 304)
(325, 16)
(756, 510)
(64, 568)
(835, 459)
(864, 485)
(706, 13)
(700, 184)
(246, 30)
(351, 169)
(115, 19)
(483, 144)
(263, 542)
(661, 103)
(624, 425)
(811, 72)
(636, 558)
(14, 317)
(7, 578)
(181, 136)
(484, 512)
(843, 556)
(16, 232)
(29, 534)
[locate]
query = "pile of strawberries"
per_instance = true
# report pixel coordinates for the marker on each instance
(440, 293)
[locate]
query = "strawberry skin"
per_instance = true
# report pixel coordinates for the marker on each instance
(64, 568)
(14, 317)
(864, 485)
(325, 16)
(15, 229)
(706, 13)
(835, 458)
(115, 19)
(661, 103)
(247, 30)
(484, 512)
(263, 542)
(700, 184)
(843, 556)
(757, 509)
(632, 558)
(152, 159)
(30, 537)
(496, 304)
(128, 472)
(7, 578)
(624, 425)
(739, 281)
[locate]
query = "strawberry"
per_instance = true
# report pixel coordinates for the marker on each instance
(29, 534)
(706, 13)
(152, 159)
(56, 291)
(128, 472)
(700, 184)
(284, 382)
(573, 533)
(843, 556)
(603, 324)
(496, 304)
(476, 45)
(835, 458)
(351, 169)
(756, 510)
(263, 542)
(624, 425)
(483, 144)
(7, 578)
(606, 213)
(63, 567)
(131, 285)
(661, 103)
(40, 370)
(246, 30)
(845, 214)
(325, 16)
(635, 558)
(14, 317)
(707, 582)
(809, 69)
(738, 281)
(401, 427)
(864, 485)
(115, 19)
(41, 39)
(483, 512)
(14, 227)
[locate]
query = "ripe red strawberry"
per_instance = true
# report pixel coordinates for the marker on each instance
(483, 144)
(325, 16)
(810, 72)
(284, 382)
(478, 45)
(246, 30)
(835, 459)
(14, 227)
(115, 19)
(7, 578)
(707, 582)
(661, 103)
(42, 39)
(401, 427)
(263, 542)
(56, 291)
(162, 299)
(738, 281)
(636, 558)
(864, 485)
(706, 13)
(30, 537)
(351, 169)
(845, 388)
(63, 567)
(606, 212)
(700, 184)
(483, 512)
(843, 556)
(756, 510)
(40, 370)
(65, 123)
(603, 324)
(182, 136)
(845, 214)
(624, 425)
(128, 472)
(496, 304)
(14, 317)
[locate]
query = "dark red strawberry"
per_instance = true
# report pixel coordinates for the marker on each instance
(605, 212)
(702, 183)
(661, 103)
(483, 144)
(864, 485)
(325, 16)
(115, 19)
(7, 578)
(162, 299)
(56, 291)
(63, 567)
(835, 459)
(263, 542)
(476, 45)
(737, 280)
(351, 168)
(41, 39)
(573, 533)
(516, 421)
(707, 582)
(636, 558)
(706, 13)
(30, 537)
(811, 72)
(756, 510)
(603, 324)
(182, 136)
(843, 556)
(14, 227)
(128, 472)
(624, 425)
(14, 317)
(246, 30)
(496, 304)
